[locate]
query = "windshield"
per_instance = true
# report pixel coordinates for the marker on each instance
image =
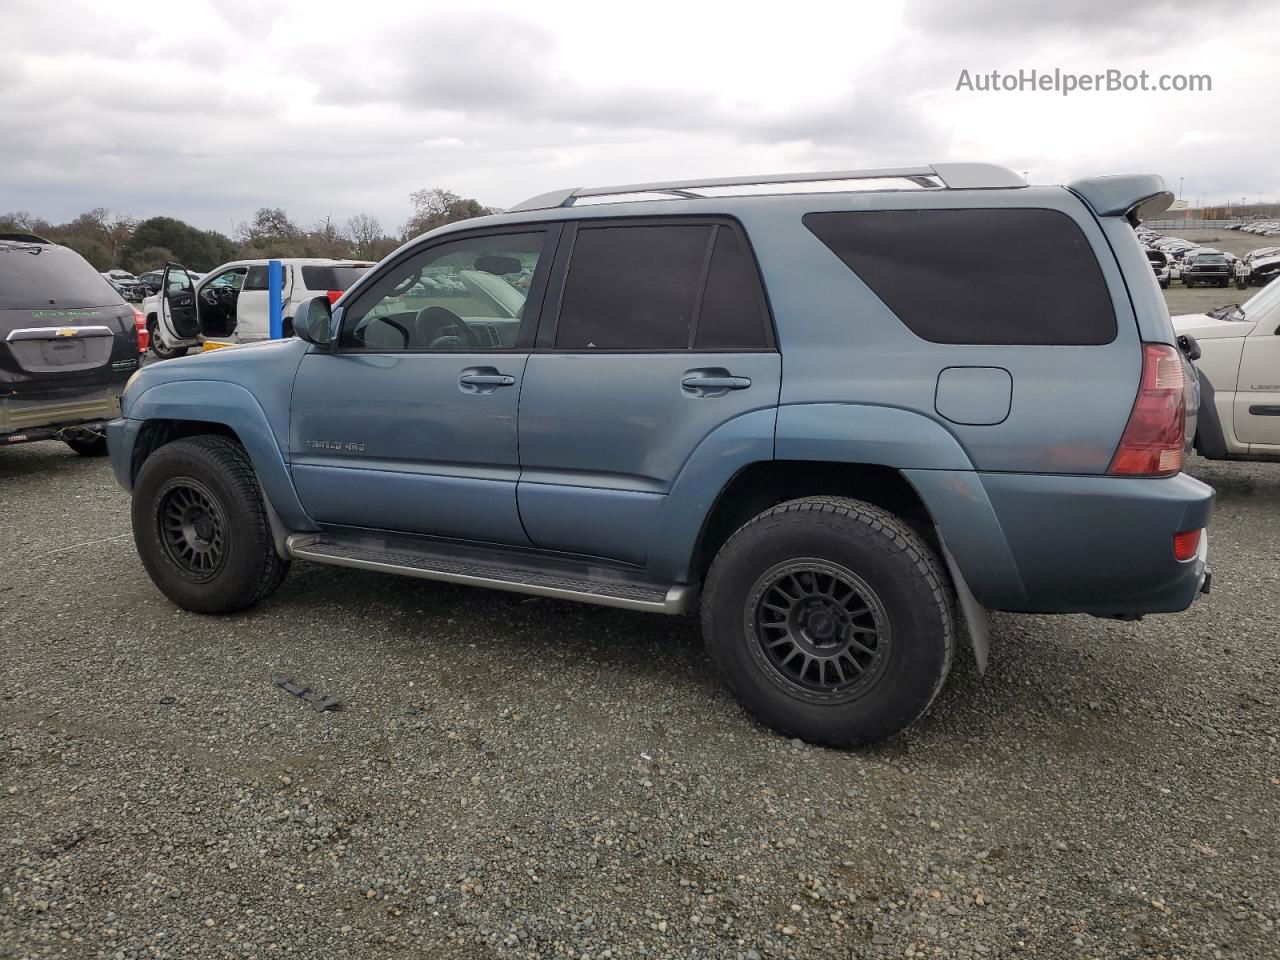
(42, 275)
(1263, 302)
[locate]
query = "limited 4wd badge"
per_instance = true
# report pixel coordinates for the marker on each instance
(124, 365)
(348, 447)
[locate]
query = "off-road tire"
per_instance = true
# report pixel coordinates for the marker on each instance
(93, 445)
(885, 555)
(218, 470)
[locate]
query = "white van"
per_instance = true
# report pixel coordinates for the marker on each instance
(230, 303)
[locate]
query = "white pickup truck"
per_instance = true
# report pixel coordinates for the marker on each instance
(1239, 372)
(230, 302)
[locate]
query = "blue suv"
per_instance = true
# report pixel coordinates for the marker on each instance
(836, 414)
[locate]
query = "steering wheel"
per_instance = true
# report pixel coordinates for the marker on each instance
(442, 329)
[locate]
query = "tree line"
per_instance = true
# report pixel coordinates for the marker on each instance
(109, 240)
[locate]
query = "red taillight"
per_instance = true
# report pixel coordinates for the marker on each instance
(140, 324)
(333, 295)
(1153, 438)
(1186, 544)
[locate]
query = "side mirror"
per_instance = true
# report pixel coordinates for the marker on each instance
(313, 320)
(1190, 346)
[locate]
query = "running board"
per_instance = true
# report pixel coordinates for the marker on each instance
(499, 569)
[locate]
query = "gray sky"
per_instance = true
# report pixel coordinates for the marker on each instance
(208, 109)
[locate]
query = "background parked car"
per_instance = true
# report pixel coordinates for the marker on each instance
(229, 303)
(1160, 265)
(130, 287)
(151, 280)
(68, 343)
(1207, 269)
(1239, 373)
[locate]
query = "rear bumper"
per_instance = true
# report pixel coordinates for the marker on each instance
(61, 408)
(1037, 543)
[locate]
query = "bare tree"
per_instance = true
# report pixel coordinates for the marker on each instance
(435, 207)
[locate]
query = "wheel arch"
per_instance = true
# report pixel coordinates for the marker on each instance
(169, 411)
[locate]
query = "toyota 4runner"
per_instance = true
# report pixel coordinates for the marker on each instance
(817, 417)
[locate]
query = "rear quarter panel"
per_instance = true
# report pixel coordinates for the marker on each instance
(841, 344)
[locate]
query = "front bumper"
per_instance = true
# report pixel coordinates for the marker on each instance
(121, 436)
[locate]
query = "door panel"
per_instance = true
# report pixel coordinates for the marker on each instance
(1257, 406)
(395, 441)
(253, 314)
(409, 422)
(603, 437)
(178, 304)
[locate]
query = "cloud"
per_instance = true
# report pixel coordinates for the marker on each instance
(207, 111)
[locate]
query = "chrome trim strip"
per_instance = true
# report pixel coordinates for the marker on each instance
(679, 598)
(43, 333)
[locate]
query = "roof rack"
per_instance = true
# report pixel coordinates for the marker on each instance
(954, 176)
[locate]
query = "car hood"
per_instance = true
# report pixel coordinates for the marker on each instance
(1204, 327)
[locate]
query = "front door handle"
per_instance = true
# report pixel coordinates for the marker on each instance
(714, 383)
(483, 380)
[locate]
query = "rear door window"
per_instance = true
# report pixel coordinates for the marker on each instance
(1019, 276)
(632, 287)
(658, 287)
(732, 315)
(39, 275)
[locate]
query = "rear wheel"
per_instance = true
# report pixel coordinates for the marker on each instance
(830, 620)
(200, 526)
(159, 349)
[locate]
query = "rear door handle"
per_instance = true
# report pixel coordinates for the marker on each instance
(706, 384)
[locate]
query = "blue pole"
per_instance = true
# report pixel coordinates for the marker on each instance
(275, 285)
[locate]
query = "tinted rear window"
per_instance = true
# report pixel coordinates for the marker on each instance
(42, 275)
(331, 278)
(977, 276)
(732, 314)
(632, 288)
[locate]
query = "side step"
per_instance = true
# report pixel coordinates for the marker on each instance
(513, 570)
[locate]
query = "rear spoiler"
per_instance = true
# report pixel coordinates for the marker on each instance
(1136, 196)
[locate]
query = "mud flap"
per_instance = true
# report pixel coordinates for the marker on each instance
(975, 614)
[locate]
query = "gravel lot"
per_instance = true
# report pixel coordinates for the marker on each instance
(525, 778)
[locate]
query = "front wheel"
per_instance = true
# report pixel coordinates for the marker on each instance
(159, 349)
(830, 620)
(200, 526)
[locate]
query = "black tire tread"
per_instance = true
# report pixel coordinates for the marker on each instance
(891, 530)
(234, 460)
